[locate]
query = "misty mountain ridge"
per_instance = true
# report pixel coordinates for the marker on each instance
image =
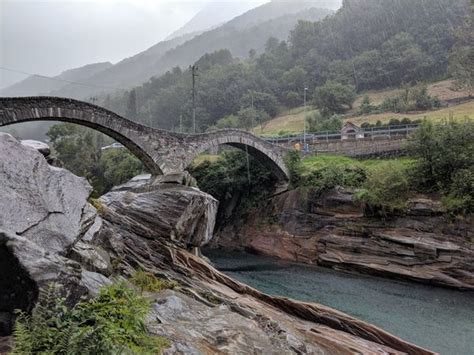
(211, 16)
(37, 85)
(248, 31)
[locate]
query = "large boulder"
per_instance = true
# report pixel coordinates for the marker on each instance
(182, 214)
(44, 211)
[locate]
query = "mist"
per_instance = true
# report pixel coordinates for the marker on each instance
(48, 37)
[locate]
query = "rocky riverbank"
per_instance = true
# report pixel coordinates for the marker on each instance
(49, 232)
(331, 230)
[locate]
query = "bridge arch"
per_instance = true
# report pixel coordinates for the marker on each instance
(162, 152)
(27, 109)
(266, 153)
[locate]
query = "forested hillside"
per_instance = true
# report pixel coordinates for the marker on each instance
(367, 44)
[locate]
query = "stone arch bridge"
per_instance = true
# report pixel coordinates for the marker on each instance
(162, 152)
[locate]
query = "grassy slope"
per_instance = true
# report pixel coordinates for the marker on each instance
(313, 163)
(292, 121)
(289, 122)
(457, 112)
(442, 89)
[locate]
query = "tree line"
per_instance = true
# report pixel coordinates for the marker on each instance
(366, 45)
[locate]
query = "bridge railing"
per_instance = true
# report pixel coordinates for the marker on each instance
(372, 132)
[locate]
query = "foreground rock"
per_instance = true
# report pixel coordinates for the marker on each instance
(331, 230)
(150, 227)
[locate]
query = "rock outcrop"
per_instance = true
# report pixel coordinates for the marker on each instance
(150, 226)
(331, 230)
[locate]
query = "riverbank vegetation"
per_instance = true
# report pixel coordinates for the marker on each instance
(111, 323)
(440, 163)
(234, 179)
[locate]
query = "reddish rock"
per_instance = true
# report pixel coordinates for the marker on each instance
(332, 231)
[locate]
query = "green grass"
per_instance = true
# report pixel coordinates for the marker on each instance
(289, 122)
(319, 162)
(205, 157)
(146, 281)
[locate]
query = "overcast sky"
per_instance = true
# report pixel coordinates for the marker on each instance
(49, 36)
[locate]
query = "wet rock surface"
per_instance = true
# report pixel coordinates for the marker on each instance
(331, 230)
(150, 227)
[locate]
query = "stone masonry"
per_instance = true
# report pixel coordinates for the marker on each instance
(162, 152)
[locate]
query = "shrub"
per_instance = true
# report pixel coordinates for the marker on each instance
(443, 151)
(411, 99)
(365, 107)
(111, 323)
(98, 205)
(293, 164)
(386, 190)
(330, 177)
(318, 123)
(460, 199)
(146, 281)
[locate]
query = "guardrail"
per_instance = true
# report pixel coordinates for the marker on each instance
(373, 132)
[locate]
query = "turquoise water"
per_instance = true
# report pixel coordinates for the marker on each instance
(439, 319)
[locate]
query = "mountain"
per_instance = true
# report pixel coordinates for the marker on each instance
(239, 36)
(37, 85)
(212, 15)
(248, 31)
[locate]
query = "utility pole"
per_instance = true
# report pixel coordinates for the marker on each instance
(254, 118)
(246, 147)
(304, 124)
(194, 70)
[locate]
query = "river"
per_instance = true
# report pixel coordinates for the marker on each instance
(439, 319)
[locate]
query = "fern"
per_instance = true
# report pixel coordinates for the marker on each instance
(111, 323)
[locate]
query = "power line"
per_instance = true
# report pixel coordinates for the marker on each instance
(62, 80)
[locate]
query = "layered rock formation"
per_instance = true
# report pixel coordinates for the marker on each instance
(50, 233)
(331, 230)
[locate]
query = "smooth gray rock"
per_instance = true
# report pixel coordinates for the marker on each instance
(42, 203)
(94, 281)
(43, 213)
(175, 212)
(41, 147)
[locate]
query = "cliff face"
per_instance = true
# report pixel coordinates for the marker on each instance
(331, 230)
(50, 233)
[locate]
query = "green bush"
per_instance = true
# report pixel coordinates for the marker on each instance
(330, 177)
(146, 281)
(460, 199)
(229, 179)
(293, 164)
(411, 99)
(443, 151)
(317, 123)
(111, 323)
(386, 190)
(366, 107)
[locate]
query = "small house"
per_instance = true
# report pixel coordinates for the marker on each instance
(351, 131)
